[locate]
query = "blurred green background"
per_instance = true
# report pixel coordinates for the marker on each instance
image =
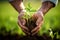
(9, 18)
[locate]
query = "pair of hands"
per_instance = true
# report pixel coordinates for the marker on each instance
(39, 20)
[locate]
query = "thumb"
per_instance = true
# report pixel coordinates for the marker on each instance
(23, 22)
(38, 21)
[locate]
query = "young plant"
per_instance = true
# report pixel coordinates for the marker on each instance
(30, 22)
(29, 12)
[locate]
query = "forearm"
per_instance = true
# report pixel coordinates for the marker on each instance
(18, 5)
(46, 6)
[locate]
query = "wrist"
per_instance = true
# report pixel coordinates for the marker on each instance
(23, 11)
(41, 13)
(46, 6)
(18, 5)
(22, 6)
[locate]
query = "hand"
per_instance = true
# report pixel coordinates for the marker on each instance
(38, 16)
(22, 22)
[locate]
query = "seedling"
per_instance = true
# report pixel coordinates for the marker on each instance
(30, 22)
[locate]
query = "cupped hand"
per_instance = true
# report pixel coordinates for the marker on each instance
(38, 17)
(22, 22)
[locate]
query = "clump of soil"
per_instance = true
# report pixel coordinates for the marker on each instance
(31, 23)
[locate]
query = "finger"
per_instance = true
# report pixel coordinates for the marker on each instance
(21, 15)
(39, 21)
(23, 27)
(35, 32)
(26, 32)
(36, 28)
(23, 21)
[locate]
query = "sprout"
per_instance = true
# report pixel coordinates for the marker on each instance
(29, 12)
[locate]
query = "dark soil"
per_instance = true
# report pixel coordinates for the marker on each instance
(31, 23)
(17, 37)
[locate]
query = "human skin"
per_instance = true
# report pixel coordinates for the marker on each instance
(46, 6)
(38, 16)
